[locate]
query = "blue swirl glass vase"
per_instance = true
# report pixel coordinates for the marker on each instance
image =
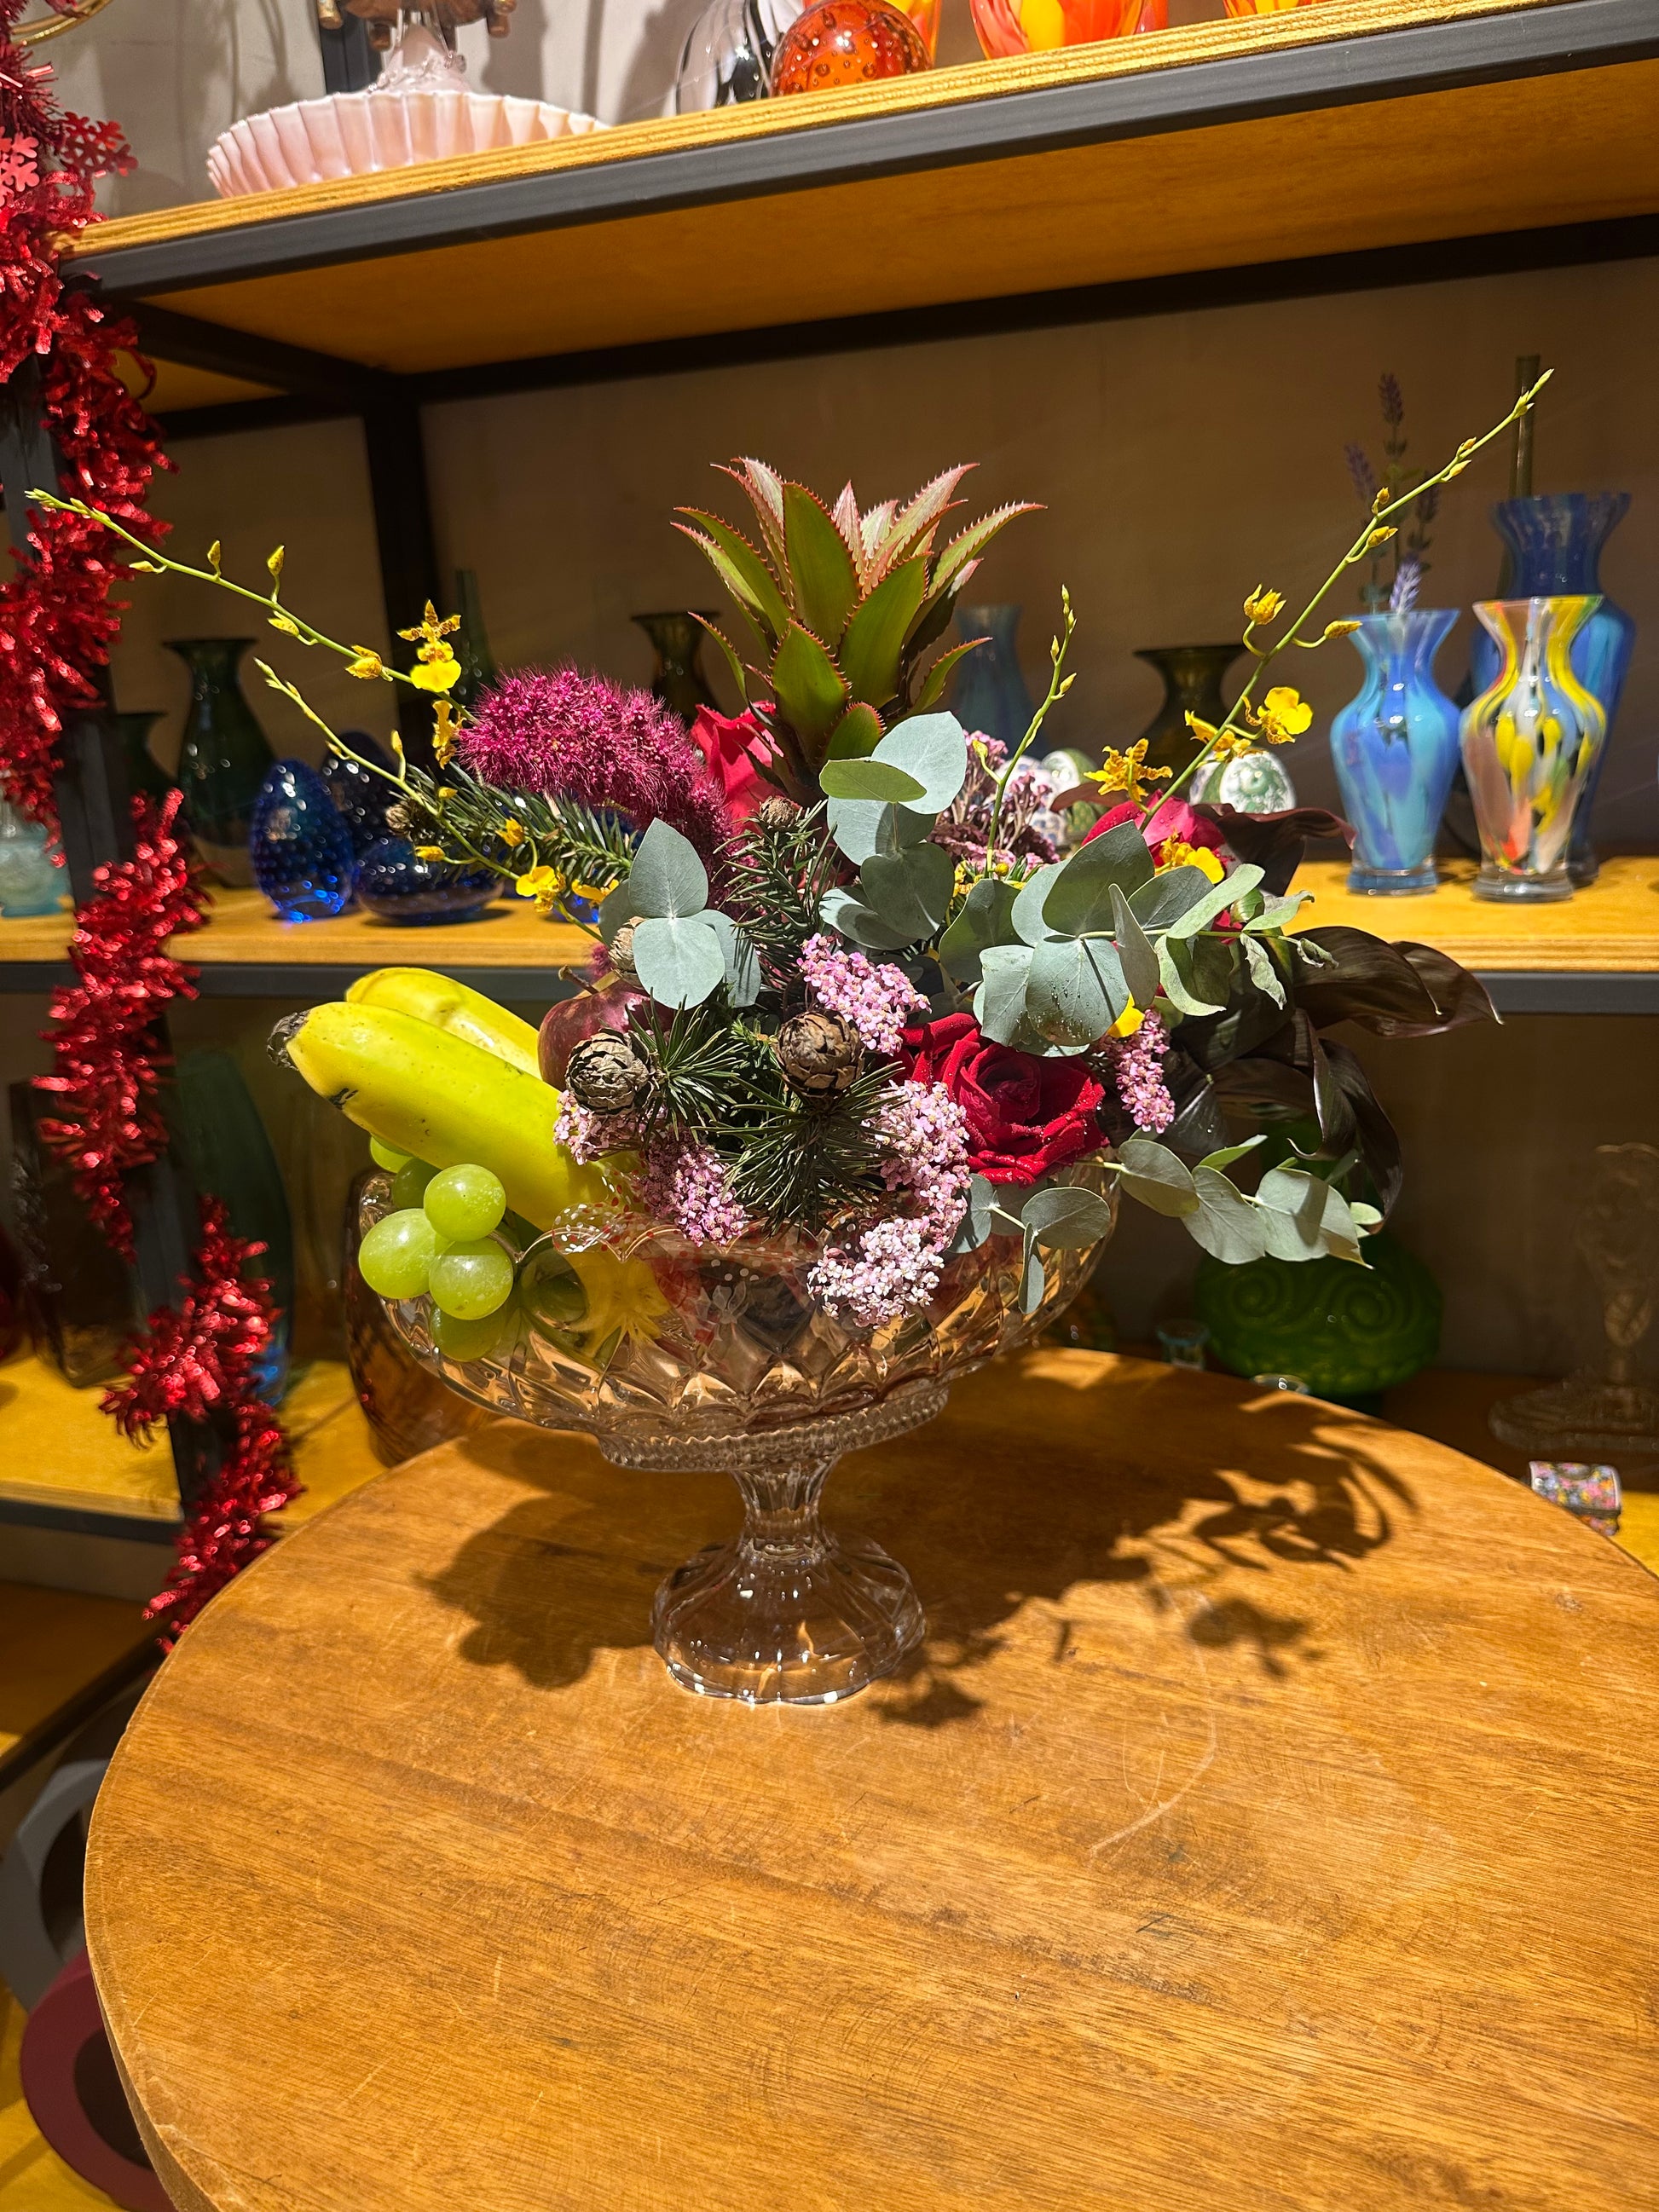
(1395, 747)
(1555, 541)
(395, 883)
(300, 847)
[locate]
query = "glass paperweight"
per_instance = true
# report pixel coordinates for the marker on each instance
(1395, 747)
(847, 42)
(31, 879)
(395, 883)
(1592, 1494)
(728, 57)
(1530, 743)
(361, 798)
(1023, 27)
(677, 1355)
(300, 847)
(1250, 783)
(224, 758)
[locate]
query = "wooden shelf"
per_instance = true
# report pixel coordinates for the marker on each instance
(62, 1655)
(1235, 144)
(1597, 952)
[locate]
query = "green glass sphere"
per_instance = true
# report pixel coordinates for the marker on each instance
(1348, 1332)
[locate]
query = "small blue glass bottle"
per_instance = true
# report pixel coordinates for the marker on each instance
(1395, 748)
(300, 847)
(1555, 541)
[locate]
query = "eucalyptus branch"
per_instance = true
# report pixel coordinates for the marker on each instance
(1058, 687)
(1379, 529)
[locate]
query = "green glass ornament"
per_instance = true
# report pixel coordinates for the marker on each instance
(1350, 1333)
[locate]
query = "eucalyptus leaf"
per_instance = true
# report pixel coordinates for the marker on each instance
(1218, 898)
(1169, 895)
(933, 749)
(1228, 1153)
(1275, 912)
(986, 918)
(616, 907)
(1153, 1174)
(911, 889)
(1080, 897)
(867, 778)
(974, 1227)
(1029, 901)
(1134, 951)
(1307, 1217)
(1225, 1222)
(1067, 1217)
(679, 961)
(845, 913)
(862, 826)
(743, 975)
(1175, 973)
(1075, 990)
(1032, 1281)
(999, 1001)
(667, 878)
(1264, 969)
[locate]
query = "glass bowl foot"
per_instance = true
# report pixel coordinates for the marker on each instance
(777, 1629)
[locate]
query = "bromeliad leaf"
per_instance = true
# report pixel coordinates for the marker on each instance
(741, 569)
(1080, 896)
(986, 919)
(877, 780)
(1134, 951)
(910, 890)
(810, 691)
(1075, 991)
(999, 1001)
(873, 643)
(679, 961)
(667, 878)
(931, 689)
(1067, 1217)
(857, 734)
(821, 571)
(1155, 1176)
(1225, 1222)
(1219, 897)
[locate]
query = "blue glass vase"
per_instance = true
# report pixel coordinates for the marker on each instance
(1395, 748)
(395, 883)
(991, 696)
(1555, 541)
(362, 796)
(300, 847)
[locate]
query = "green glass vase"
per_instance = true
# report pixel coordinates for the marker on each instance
(224, 758)
(678, 679)
(146, 777)
(471, 642)
(1192, 684)
(1348, 1332)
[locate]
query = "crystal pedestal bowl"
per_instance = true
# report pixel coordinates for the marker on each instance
(681, 1356)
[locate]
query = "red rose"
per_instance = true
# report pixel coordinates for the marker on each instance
(734, 752)
(1025, 1116)
(1175, 819)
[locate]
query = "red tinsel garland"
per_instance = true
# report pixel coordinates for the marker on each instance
(57, 621)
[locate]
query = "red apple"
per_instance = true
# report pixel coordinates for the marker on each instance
(564, 1026)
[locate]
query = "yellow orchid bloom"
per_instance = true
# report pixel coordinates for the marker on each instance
(1264, 606)
(1284, 715)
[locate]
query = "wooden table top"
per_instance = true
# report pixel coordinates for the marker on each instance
(1268, 1825)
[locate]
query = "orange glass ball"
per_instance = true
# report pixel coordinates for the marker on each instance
(847, 42)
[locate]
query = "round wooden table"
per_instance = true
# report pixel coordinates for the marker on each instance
(1269, 1823)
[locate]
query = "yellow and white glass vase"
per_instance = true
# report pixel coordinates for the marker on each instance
(1530, 744)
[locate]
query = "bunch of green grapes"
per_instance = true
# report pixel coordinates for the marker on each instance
(440, 1243)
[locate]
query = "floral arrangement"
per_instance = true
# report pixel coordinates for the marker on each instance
(853, 982)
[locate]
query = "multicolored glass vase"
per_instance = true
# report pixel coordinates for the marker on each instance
(1395, 747)
(1029, 27)
(1348, 1332)
(847, 42)
(1554, 543)
(1530, 744)
(224, 758)
(989, 692)
(299, 846)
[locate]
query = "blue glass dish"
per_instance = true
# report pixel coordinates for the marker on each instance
(1395, 748)
(362, 797)
(395, 883)
(300, 847)
(1555, 542)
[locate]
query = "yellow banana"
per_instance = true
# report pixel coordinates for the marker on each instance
(430, 1093)
(450, 1005)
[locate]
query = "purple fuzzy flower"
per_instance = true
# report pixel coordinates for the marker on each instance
(560, 733)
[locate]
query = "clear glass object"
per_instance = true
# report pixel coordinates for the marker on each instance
(1183, 1342)
(1554, 543)
(31, 881)
(1395, 748)
(299, 846)
(224, 758)
(989, 691)
(1530, 743)
(727, 56)
(680, 1356)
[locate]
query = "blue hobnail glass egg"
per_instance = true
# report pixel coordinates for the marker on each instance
(362, 796)
(300, 847)
(395, 883)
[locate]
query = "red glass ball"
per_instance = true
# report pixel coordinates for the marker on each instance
(847, 42)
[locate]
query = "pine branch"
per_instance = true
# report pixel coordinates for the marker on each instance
(587, 849)
(809, 1163)
(778, 872)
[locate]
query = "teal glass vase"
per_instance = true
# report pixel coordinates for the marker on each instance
(1394, 749)
(224, 758)
(990, 695)
(1348, 1332)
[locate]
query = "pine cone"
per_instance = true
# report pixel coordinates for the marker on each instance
(606, 1075)
(820, 1053)
(622, 953)
(776, 813)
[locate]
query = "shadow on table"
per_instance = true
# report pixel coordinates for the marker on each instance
(1024, 1491)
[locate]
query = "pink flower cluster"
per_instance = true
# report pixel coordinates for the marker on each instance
(1138, 1064)
(562, 734)
(895, 1267)
(687, 1185)
(875, 1000)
